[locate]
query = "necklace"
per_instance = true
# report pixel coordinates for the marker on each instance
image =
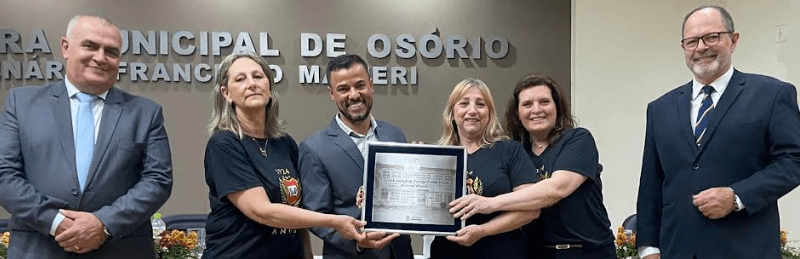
(537, 145)
(540, 146)
(264, 149)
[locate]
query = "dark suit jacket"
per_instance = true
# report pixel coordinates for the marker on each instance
(331, 170)
(130, 175)
(751, 144)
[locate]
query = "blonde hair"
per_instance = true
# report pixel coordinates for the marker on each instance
(223, 114)
(493, 131)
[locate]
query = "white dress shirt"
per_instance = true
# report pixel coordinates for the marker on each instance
(719, 86)
(97, 111)
(362, 141)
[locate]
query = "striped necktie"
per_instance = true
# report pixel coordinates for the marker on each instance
(704, 114)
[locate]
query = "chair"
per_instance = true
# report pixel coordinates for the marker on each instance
(3, 225)
(185, 221)
(630, 223)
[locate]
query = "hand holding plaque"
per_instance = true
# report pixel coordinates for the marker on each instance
(377, 240)
(360, 197)
(348, 227)
(472, 204)
(468, 235)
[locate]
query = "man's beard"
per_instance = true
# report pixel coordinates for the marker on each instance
(356, 117)
(708, 69)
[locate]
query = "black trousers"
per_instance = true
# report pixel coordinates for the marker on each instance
(603, 252)
(509, 245)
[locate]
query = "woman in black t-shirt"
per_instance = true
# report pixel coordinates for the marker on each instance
(495, 165)
(251, 172)
(574, 222)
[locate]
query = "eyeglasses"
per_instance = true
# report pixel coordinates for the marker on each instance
(708, 39)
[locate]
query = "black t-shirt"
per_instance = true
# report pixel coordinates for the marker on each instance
(581, 217)
(234, 164)
(494, 170)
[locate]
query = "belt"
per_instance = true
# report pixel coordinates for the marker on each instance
(565, 246)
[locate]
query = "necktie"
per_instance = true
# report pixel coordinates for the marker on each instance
(704, 114)
(84, 136)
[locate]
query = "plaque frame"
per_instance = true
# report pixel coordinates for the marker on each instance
(416, 160)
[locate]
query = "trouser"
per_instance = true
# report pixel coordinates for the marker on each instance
(602, 252)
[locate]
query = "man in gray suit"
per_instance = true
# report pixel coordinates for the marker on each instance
(332, 162)
(83, 165)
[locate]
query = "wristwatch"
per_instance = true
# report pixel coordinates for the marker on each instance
(105, 230)
(736, 206)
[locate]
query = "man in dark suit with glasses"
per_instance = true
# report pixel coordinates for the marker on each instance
(719, 152)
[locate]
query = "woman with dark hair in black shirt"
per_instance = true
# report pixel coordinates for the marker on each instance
(573, 222)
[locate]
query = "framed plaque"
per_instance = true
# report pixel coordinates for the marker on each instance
(408, 188)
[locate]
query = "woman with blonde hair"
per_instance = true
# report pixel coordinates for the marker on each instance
(251, 172)
(495, 165)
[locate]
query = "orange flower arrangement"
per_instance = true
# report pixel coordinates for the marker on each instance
(4, 244)
(626, 244)
(176, 244)
(4, 238)
(177, 237)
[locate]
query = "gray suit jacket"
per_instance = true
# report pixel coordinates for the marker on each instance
(130, 175)
(331, 170)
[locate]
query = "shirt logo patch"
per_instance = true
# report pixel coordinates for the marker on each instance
(474, 184)
(543, 174)
(290, 188)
